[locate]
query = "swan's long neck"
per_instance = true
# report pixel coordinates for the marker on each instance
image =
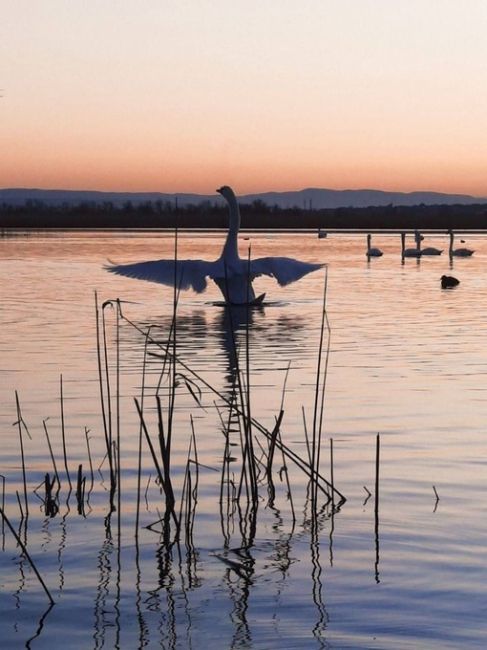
(403, 242)
(230, 250)
(452, 236)
(369, 237)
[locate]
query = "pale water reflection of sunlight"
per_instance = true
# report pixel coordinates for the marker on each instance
(407, 360)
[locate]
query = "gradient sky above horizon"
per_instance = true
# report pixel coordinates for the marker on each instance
(272, 95)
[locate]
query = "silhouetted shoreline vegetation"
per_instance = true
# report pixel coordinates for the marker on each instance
(256, 215)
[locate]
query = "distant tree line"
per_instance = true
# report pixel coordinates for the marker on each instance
(159, 214)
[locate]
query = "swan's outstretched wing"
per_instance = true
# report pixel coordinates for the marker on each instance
(190, 274)
(284, 269)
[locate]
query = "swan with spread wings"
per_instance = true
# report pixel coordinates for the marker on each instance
(232, 275)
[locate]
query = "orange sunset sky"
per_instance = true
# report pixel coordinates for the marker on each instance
(183, 96)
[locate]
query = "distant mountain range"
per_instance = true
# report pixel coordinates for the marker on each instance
(311, 198)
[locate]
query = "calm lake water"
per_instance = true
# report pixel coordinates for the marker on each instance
(407, 360)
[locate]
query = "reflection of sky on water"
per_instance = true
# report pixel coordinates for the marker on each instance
(407, 360)
(211, 337)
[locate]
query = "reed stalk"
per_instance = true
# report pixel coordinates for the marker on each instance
(165, 447)
(437, 499)
(24, 479)
(288, 483)
(80, 490)
(27, 555)
(189, 493)
(306, 468)
(195, 448)
(139, 452)
(3, 508)
(248, 420)
(332, 479)
(63, 433)
(101, 389)
(50, 503)
(270, 457)
(118, 438)
(377, 468)
(306, 436)
(53, 460)
(320, 386)
(107, 303)
(184, 496)
(20, 505)
(92, 476)
(79, 487)
(376, 509)
(169, 504)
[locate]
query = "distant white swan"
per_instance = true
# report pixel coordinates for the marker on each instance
(410, 252)
(458, 252)
(231, 274)
(371, 251)
(429, 250)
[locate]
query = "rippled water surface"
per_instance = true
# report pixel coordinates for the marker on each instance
(407, 360)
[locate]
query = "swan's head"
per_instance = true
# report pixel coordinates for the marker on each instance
(226, 192)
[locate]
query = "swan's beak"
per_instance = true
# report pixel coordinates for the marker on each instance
(219, 190)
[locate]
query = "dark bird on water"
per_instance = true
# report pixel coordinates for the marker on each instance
(448, 282)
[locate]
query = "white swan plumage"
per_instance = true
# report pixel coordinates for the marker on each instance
(371, 250)
(431, 250)
(428, 250)
(410, 252)
(458, 252)
(231, 274)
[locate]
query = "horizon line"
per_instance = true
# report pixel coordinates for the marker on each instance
(302, 189)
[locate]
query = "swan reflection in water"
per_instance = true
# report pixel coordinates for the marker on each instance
(232, 275)
(203, 332)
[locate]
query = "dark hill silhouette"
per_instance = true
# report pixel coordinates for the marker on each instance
(257, 214)
(311, 198)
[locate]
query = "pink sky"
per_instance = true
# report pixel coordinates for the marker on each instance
(185, 96)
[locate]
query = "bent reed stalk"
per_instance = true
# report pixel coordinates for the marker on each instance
(309, 469)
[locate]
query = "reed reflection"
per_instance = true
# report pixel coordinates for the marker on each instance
(104, 620)
(322, 620)
(253, 459)
(40, 627)
(244, 469)
(239, 593)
